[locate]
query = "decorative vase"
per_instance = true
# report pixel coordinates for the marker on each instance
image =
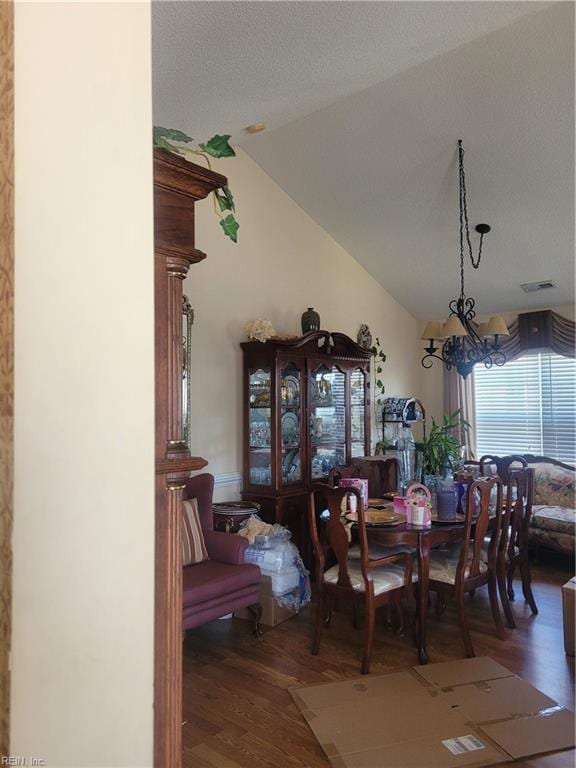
(310, 320)
(446, 503)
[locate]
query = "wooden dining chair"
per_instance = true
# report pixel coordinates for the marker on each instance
(344, 473)
(502, 464)
(382, 474)
(521, 494)
(466, 568)
(368, 580)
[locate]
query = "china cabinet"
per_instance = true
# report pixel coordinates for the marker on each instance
(306, 410)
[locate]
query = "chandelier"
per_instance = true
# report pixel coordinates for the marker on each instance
(465, 342)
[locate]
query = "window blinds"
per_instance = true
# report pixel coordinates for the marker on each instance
(527, 406)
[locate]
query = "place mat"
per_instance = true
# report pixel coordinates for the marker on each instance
(374, 516)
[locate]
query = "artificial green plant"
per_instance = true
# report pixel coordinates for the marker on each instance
(218, 146)
(379, 360)
(441, 447)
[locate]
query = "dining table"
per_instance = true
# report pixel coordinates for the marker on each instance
(423, 540)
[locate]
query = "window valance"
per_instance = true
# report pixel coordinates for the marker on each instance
(540, 330)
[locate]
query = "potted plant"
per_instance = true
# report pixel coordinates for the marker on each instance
(441, 448)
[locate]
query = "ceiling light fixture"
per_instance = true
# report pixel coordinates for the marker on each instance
(256, 128)
(466, 342)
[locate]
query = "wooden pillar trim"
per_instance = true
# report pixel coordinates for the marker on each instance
(177, 186)
(6, 355)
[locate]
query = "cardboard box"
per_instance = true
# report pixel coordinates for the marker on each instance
(568, 613)
(471, 712)
(272, 613)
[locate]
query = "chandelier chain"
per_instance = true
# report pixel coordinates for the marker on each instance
(464, 225)
(467, 345)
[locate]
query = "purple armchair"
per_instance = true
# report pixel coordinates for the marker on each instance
(223, 583)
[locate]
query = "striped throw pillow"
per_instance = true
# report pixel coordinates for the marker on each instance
(193, 546)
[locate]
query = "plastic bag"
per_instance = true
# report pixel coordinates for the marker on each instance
(301, 594)
(276, 556)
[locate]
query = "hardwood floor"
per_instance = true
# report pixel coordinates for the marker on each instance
(237, 711)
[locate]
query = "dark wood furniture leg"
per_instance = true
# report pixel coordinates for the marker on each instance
(526, 587)
(502, 589)
(256, 613)
(369, 635)
(524, 567)
(510, 580)
(423, 574)
(493, 597)
(462, 621)
(320, 619)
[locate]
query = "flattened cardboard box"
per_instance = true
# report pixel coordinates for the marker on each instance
(472, 712)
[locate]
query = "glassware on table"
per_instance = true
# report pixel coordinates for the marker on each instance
(406, 458)
(446, 497)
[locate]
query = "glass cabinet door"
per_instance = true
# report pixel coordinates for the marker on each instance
(327, 420)
(290, 420)
(259, 426)
(357, 413)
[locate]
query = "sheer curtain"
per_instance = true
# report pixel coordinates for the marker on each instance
(459, 395)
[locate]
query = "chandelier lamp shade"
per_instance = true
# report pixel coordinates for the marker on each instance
(464, 342)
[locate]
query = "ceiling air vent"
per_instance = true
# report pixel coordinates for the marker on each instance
(539, 286)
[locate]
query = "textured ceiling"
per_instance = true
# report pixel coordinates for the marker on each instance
(366, 102)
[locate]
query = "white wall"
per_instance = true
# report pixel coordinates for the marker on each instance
(82, 659)
(283, 263)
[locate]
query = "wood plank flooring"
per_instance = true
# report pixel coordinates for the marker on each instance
(238, 713)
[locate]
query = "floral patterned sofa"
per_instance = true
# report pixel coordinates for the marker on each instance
(553, 523)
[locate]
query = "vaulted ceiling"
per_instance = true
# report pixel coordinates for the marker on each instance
(365, 102)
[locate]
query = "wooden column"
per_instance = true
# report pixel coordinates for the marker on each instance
(6, 355)
(178, 184)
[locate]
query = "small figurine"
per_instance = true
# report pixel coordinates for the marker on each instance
(364, 337)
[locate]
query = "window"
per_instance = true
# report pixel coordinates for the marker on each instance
(527, 406)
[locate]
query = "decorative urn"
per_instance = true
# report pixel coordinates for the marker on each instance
(310, 320)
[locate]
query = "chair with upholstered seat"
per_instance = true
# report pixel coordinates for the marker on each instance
(521, 493)
(465, 568)
(344, 472)
(366, 579)
(381, 473)
(222, 582)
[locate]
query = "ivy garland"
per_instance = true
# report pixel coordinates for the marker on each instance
(217, 146)
(379, 360)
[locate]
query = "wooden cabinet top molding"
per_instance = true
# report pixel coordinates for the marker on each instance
(335, 344)
(178, 185)
(179, 175)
